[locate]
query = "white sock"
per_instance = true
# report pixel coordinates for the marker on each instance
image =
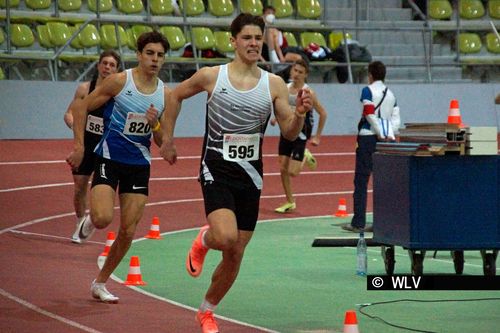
(203, 239)
(207, 306)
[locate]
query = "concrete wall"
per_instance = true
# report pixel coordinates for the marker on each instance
(34, 109)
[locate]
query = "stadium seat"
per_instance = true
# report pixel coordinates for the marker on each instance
(75, 43)
(43, 36)
(290, 39)
(440, 9)
(89, 36)
(161, 7)
(108, 36)
(203, 38)
(38, 4)
(59, 33)
(12, 3)
(69, 5)
(283, 8)
(104, 5)
(492, 43)
(335, 38)
(223, 42)
(175, 37)
(310, 9)
(129, 6)
(2, 75)
(193, 7)
(2, 36)
(312, 37)
(253, 7)
(220, 7)
(135, 31)
(494, 9)
(21, 35)
(471, 9)
(469, 43)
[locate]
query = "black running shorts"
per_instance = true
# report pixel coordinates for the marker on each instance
(130, 178)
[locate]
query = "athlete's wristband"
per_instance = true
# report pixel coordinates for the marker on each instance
(157, 127)
(300, 115)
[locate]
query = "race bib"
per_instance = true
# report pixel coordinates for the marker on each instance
(94, 125)
(241, 147)
(136, 124)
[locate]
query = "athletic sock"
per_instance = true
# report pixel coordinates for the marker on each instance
(207, 306)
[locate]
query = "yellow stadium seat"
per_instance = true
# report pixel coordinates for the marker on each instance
(161, 7)
(223, 42)
(312, 37)
(494, 9)
(440, 9)
(2, 36)
(38, 4)
(471, 9)
(104, 5)
(290, 38)
(43, 36)
(310, 9)
(2, 75)
(129, 6)
(283, 8)
(75, 43)
(89, 36)
(193, 7)
(108, 36)
(69, 5)
(12, 3)
(203, 38)
(469, 42)
(59, 33)
(335, 38)
(492, 43)
(220, 7)
(175, 37)
(21, 35)
(253, 7)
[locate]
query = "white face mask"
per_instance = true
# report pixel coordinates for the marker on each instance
(270, 18)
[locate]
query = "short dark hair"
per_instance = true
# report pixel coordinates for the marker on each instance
(151, 37)
(111, 53)
(303, 63)
(377, 70)
(246, 19)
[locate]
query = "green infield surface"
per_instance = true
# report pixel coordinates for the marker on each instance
(286, 285)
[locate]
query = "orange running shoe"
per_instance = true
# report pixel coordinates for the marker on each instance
(196, 255)
(207, 322)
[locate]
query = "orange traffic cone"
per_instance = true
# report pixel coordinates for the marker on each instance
(109, 241)
(454, 116)
(154, 230)
(350, 322)
(134, 276)
(342, 210)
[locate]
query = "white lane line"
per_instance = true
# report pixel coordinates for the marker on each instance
(47, 313)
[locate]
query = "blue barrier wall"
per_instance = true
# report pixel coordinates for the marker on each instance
(34, 109)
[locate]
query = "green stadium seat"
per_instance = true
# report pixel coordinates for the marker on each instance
(89, 36)
(440, 9)
(312, 37)
(2, 75)
(59, 33)
(223, 42)
(135, 31)
(203, 38)
(38, 4)
(108, 36)
(335, 38)
(2, 36)
(129, 6)
(21, 35)
(494, 9)
(310, 9)
(193, 7)
(161, 7)
(492, 43)
(469, 42)
(283, 8)
(220, 7)
(175, 37)
(75, 43)
(253, 7)
(104, 5)
(42, 31)
(12, 3)
(69, 5)
(290, 39)
(471, 9)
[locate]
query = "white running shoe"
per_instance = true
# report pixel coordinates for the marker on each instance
(100, 292)
(84, 230)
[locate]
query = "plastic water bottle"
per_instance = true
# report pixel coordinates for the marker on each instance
(361, 255)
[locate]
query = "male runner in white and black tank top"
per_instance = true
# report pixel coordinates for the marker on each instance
(109, 62)
(241, 100)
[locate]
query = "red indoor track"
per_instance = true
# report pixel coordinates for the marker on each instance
(45, 278)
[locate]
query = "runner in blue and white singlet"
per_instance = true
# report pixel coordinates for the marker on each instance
(234, 132)
(127, 138)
